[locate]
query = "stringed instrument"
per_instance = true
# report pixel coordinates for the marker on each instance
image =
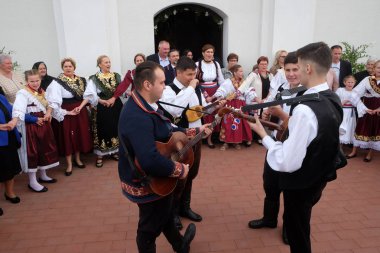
(178, 149)
(198, 111)
(239, 114)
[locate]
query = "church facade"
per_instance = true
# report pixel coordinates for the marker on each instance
(49, 30)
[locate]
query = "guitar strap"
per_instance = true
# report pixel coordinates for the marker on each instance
(290, 101)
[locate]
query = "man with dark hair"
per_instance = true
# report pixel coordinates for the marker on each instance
(271, 177)
(162, 56)
(341, 68)
(185, 92)
(232, 59)
(307, 157)
(140, 126)
(170, 69)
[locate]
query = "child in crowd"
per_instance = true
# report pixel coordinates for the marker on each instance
(233, 129)
(349, 113)
(39, 140)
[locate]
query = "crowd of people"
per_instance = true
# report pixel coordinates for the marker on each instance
(43, 118)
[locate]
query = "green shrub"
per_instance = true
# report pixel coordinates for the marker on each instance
(354, 54)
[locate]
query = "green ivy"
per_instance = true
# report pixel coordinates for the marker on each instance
(353, 54)
(16, 66)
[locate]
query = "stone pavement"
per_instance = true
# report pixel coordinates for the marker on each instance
(87, 212)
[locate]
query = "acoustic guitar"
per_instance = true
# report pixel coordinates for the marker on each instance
(178, 149)
(198, 111)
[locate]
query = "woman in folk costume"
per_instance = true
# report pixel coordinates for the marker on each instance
(234, 130)
(367, 132)
(40, 143)
(210, 77)
(104, 113)
(42, 70)
(72, 131)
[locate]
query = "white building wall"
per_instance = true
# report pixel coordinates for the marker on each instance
(28, 28)
(49, 30)
(352, 21)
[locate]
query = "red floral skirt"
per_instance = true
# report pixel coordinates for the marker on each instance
(235, 130)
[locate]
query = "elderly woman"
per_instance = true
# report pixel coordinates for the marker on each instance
(9, 143)
(101, 87)
(42, 70)
(10, 82)
(73, 133)
(210, 77)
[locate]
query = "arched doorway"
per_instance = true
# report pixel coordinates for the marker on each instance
(190, 26)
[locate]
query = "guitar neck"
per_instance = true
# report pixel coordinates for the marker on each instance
(263, 122)
(196, 139)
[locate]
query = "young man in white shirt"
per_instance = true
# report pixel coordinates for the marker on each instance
(307, 157)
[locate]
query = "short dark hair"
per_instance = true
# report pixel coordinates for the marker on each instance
(291, 58)
(232, 56)
(262, 58)
(207, 47)
(185, 63)
(145, 72)
(173, 50)
(186, 51)
(318, 53)
(336, 46)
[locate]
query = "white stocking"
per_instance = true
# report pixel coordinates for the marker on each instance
(33, 181)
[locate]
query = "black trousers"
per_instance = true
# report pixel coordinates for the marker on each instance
(271, 183)
(156, 217)
(297, 213)
(184, 187)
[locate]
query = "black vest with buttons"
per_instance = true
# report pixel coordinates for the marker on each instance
(318, 165)
(181, 121)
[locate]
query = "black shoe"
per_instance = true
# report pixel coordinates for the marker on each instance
(255, 224)
(187, 238)
(177, 222)
(1, 212)
(68, 173)
(80, 166)
(45, 189)
(188, 213)
(350, 156)
(284, 236)
(51, 181)
(14, 200)
(212, 146)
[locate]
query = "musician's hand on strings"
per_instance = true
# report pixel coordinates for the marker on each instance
(193, 83)
(258, 127)
(278, 112)
(185, 171)
(209, 99)
(265, 115)
(221, 103)
(206, 128)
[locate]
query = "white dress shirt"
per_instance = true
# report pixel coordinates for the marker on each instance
(303, 128)
(186, 96)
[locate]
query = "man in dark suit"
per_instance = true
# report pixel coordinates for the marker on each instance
(170, 73)
(342, 68)
(162, 56)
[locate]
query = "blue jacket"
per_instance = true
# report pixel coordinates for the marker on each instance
(4, 134)
(140, 126)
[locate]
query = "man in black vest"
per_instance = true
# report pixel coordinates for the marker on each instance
(185, 92)
(307, 157)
